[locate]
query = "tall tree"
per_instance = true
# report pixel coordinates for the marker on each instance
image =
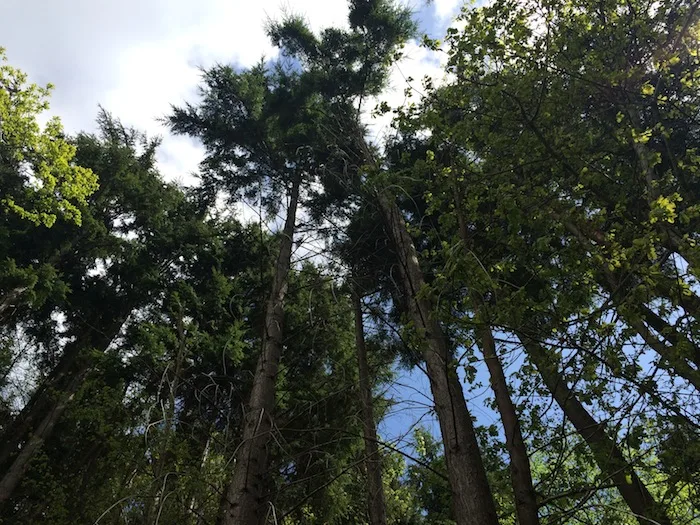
(132, 270)
(375, 488)
(261, 127)
(252, 124)
(471, 495)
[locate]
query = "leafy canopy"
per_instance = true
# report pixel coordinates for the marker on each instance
(40, 181)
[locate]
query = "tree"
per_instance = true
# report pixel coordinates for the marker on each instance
(527, 238)
(133, 198)
(262, 127)
(40, 180)
(375, 487)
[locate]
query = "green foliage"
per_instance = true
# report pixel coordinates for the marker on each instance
(551, 182)
(40, 179)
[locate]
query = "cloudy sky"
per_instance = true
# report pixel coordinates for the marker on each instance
(137, 57)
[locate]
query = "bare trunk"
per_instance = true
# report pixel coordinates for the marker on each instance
(35, 423)
(244, 500)
(471, 495)
(607, 454)
(520, 474)
(14, 474)
(375, 489)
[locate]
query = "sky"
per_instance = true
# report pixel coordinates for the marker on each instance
(136, 58)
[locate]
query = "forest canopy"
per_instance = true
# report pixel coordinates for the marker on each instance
(525, 239)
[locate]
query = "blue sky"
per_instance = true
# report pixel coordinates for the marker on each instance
(136, 58)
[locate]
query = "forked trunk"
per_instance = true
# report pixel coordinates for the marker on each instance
(471, 495)
(520, 474)
(243, 502)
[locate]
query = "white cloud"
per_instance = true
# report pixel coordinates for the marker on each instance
(447, 9)
(137, 57)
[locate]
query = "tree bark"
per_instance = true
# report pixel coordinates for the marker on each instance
(471, 495)
(686, 299)
(520, 474)
(35, 423)
(375, 489)
(669, 355)
(607, 454)
(687, 348)
(194, 504)
(244, 500)
(14, 474)
(8, 302)
(17, 432)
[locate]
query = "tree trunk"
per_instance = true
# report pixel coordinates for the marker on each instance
(194, 504)
(375, 489)
(607, 454)
(14, 474)
(35, 423)
(8, 302)
(244, 500)
(520, 474)
(40, 402)
(666, 287)
(471, 495)
(670, 356)
(687, 348)
(674, 240)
